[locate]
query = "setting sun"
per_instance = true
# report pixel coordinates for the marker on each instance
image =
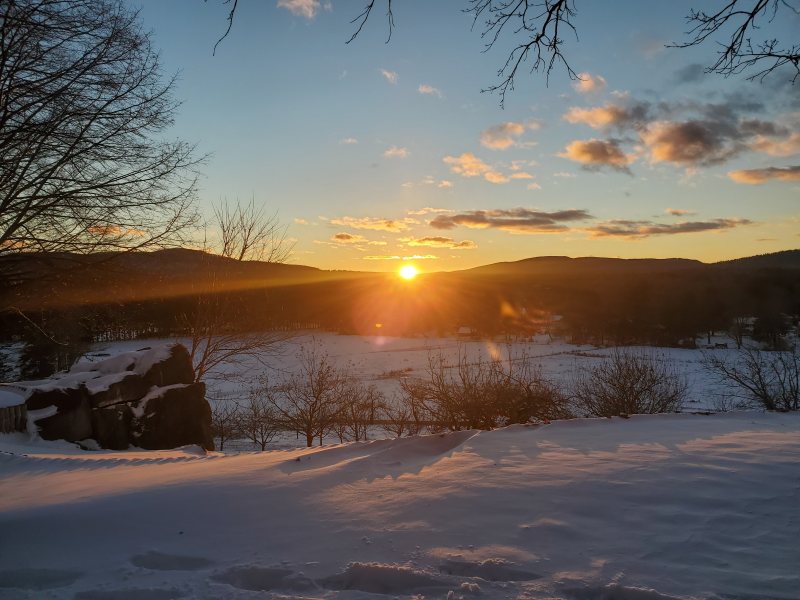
(408, 271)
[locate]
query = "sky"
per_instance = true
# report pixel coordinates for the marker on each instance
(376, 154)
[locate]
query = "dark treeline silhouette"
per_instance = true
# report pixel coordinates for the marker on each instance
(599, 301)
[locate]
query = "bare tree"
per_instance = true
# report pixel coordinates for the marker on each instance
(260, 422)
(397, 417)
(310, 400)
(217, 347)
(769, 379)
(83, 109)
(629, 382)
(360, 404)
(226, 419)
(247, 232)
(538, 29)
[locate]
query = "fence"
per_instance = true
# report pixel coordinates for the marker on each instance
(13, 418)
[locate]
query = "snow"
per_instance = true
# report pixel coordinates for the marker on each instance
(658, 507)
(11, 396)
(382, 360)
(99, 376)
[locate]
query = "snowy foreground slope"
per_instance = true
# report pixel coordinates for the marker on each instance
(688, 506)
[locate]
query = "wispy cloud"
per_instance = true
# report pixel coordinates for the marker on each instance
(428, 210)
(396, 152)
(643, 229)
(441, 242)
(469, 165)
(679, 212)
(396, 257)
(758, 176)
(516, 220)
(390, 76)
(429, 90)
(502, 136)
(596, 153)
(348, 238)
(588, 83)
(785, 147)
(301, 8)
(610, 115)
(348, 141)
(299, 221)
(390, 225)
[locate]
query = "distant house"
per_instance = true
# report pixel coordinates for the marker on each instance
(465, 332)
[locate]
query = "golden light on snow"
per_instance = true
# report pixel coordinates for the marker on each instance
(408, 271)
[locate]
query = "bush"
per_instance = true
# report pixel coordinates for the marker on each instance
(481, 394)
(767, 379)
(629, 382)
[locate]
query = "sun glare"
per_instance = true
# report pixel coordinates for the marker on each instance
(408, 271)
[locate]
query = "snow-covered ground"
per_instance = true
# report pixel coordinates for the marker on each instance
(690, 506)
(381, 360)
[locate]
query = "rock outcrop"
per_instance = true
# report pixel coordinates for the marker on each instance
(147, 399)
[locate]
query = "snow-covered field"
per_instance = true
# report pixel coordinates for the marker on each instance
(380, 360)
(690, 506)
(657, 507)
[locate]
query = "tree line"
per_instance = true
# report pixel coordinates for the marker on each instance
(319, 400)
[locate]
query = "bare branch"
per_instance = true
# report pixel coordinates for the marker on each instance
(738, 52)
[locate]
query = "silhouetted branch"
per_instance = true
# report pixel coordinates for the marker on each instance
(739, 53)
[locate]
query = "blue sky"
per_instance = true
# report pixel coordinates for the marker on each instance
(353, 145)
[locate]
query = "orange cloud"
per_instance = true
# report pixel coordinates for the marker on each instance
(598, 153)
(442, 242)
(758, 176)
(588, 83)
(469, 165)
(503, 136)
(391, 225)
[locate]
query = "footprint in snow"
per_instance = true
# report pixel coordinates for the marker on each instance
(158, 561)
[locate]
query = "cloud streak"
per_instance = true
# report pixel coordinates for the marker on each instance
(759, 176)
(374, 224)
(442, 242)
(516, 220)
(643, 229)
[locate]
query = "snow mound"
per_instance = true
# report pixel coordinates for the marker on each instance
(492, 569)
(379, 578)
(258, 579)
(617, 592)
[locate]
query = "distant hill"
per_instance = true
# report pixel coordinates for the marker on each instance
(564, 264)
(787, 259)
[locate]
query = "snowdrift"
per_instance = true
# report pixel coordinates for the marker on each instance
(646, 508)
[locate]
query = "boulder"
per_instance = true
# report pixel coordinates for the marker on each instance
(64, 399)
(72, 424)
(130, 387)
(111, 426)
(172, 416)
(174, 369)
